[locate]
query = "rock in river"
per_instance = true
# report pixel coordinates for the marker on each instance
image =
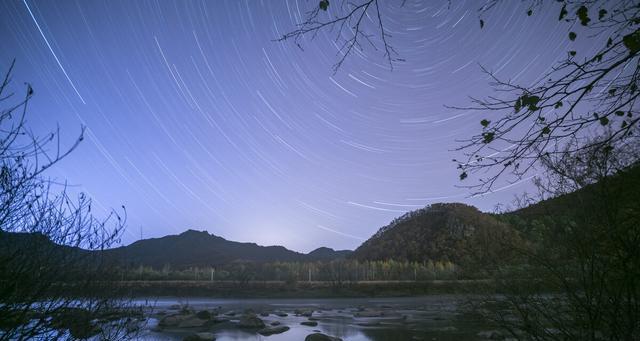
(369, 313)
(200, 337)
(204, 314)
(321, 337)
(273, 330)
(251, 321)
(192, 322)
(309, 323)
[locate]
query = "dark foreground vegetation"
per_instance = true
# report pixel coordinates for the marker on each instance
(566, 260)
(48, 238)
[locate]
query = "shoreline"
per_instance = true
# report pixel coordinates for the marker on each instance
(281, 289)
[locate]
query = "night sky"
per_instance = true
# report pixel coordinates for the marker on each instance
(197, 119)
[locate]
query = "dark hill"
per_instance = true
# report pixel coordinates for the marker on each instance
(325, 253)
(194, 248)
(453, 232)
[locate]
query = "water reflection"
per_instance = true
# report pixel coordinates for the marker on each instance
(425, 318)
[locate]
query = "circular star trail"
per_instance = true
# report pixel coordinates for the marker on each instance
(196, 118)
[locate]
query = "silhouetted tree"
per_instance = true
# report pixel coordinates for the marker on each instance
(585, 251)
(48, 277)
(582, 94)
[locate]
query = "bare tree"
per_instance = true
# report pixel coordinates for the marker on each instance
(351, 26)
(579, 276)
(49, 274)
(582, 94)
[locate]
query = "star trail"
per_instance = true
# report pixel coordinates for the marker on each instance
(197, 118)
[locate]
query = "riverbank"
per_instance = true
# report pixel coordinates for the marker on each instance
(313, 289)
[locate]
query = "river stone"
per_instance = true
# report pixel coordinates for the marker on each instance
(204, 315)
(309, 323)
(275, 323)
(321, 337)
(251, 321)
(200, 337)
(368, 324)
(273, 330)
(305, 313)
(369, 313)
(281, 314)
(192, 322)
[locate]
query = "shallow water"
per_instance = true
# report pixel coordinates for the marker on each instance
(416, 318)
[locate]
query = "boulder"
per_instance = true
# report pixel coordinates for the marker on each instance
(309, 323)
(273, 330)
(368, 323)
(200, 337)
(275, 323)
(369, 313)
(192, 322)
(281, 314)
(251, 321)
(204, 315)
(305, 313)
(172, 320)
(321, 337)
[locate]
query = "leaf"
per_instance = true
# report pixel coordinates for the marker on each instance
(632, 41)
(604, 121)
(529, 12)
(583, 15)
(602, 13)
(572, 53)
(324, 4)
(609, 42)
(488, 137)
(619, 113)
(572, 36)
(624, 124)
(463, 175)
(563, 12)
(530, 101)
(612, 92)
(481, 23)
(518, 105)
(485, 123)
(558, 104)
(546, 130)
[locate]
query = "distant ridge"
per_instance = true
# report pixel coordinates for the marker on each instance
(199, 248)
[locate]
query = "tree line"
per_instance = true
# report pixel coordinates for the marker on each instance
(336, 271)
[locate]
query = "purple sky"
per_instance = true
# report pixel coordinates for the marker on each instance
(197, 119)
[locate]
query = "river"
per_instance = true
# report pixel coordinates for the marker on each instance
(440, 317)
